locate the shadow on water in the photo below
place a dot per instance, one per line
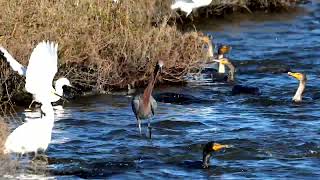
(97, 136)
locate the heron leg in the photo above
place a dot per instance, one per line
(149, 127)
(139, 125)
(31, 103)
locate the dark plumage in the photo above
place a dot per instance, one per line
(208, 149)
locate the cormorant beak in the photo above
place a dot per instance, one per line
(298, 76)
(224, 61)
(217, 146)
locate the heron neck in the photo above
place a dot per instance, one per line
(148, 91)
(298, 96)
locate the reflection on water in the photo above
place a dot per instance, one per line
(97, 137)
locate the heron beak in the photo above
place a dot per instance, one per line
(217, 146)
(296, 75)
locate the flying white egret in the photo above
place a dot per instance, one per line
(188, 5)
(32, 136)
(35, 135)
(38, 62)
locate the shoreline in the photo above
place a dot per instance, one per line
(99, 60)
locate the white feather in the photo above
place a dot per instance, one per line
(33, 135)
(15, 65)
(187, 6)
(40, 72)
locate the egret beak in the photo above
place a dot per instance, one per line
(298, 76)
(74, 88)
(63, 98)
(217, 146)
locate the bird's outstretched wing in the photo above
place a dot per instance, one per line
(42, 69)
(15, 65)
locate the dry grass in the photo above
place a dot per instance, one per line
(4, 132)
(103, 46)
(7, 166)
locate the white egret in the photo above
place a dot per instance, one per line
(36, 134)
(37, 63)
(32, 136)
(188, 5)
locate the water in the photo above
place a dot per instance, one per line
(97, 137)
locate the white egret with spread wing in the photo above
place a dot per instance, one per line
(37, 64)
(35, 135)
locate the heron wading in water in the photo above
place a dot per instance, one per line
(144, 105)
(35, 135)
(36, 65)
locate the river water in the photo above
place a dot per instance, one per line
(272, 138)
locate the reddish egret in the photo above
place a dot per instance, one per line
(144, 105)
(208, 149)
(302, 85)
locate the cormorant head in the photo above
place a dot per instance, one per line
(298, 76)
(208, 149)
(224, 49)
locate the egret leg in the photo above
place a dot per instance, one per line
(31, 103)
(149, 127)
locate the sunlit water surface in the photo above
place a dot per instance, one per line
(97, 137)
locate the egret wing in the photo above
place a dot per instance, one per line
(15, 65)
(42, 69)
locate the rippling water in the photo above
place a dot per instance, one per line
(97, 137)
